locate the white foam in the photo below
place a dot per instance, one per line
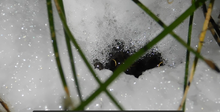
(29, 78)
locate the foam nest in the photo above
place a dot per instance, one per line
(117, 54)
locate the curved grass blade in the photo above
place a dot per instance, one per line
(71, 56)
(135, 56)
(55, 48)
(201, 39)
(68, 32)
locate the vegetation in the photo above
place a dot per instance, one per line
(131, 59)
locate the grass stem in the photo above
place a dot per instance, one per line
(188, 54)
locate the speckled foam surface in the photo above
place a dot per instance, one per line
(29, 78)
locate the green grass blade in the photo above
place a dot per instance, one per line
(68, 32)
(151, 14)
(71, 56)
(55, 47)
(73, 66)
(134, 57)
(188, 54)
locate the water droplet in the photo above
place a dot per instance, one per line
(97, 105)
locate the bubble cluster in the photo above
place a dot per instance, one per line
(116, 55)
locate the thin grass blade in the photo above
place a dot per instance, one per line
(188, 55)
(53, 38)
(55, 48)
(71, 56)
